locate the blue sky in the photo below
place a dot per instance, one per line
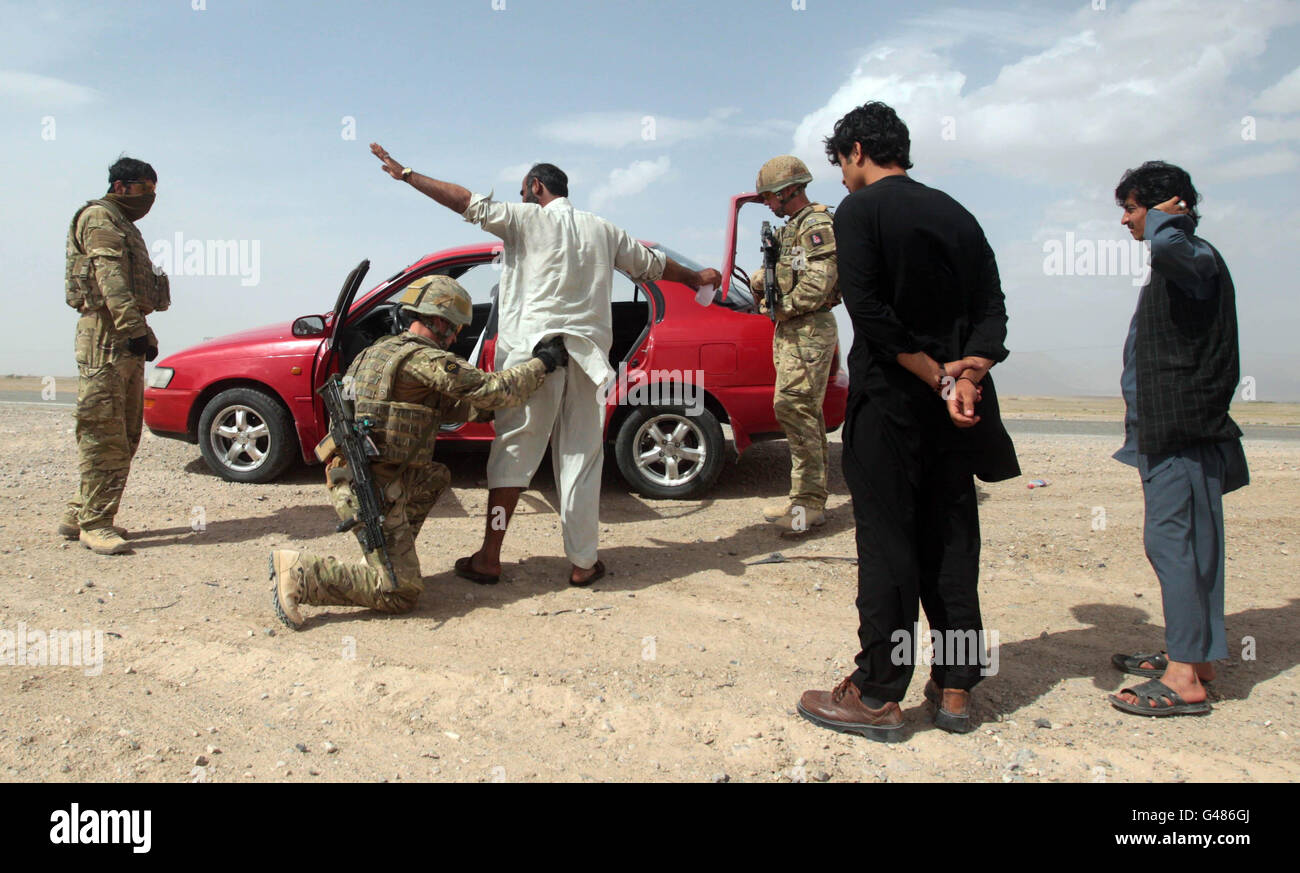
(1026, 113)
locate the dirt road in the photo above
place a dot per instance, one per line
(683, 664)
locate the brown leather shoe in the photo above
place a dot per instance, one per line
(842, 710)
(952, 708)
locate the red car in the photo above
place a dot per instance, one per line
(249, 399)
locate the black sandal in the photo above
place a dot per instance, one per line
(465, 570)
(1151, 696)
(1132, 664)
(598, 567)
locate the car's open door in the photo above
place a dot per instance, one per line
(337, 326)
(729, 266)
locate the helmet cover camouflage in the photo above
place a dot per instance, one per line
(782, 172)
(438, 295)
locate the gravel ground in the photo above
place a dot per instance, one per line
(683, 664)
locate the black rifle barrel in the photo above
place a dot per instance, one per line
(771, 254)
(353, 441)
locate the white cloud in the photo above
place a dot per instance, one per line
(622, 129)
(1283, 96)
(514, 172)
(1097, 99)
(44, 90)
(955, 25)
(1263, 164)
(625, 181)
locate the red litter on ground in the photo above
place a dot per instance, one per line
(1038, 483)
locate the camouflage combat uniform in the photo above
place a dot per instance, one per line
(410, 387)
(112, 283)
(804, 345)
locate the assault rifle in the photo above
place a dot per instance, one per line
(352, 440)
(771, 254)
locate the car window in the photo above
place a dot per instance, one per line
(624, 290)
(480, 280)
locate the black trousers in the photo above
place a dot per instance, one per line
(918, 539)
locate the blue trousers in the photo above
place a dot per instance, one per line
(1183, 534)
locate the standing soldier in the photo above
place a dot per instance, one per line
(110, 280)
(803, 347)
(408, 384)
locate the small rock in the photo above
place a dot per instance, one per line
(330, 748)
(213, 750)
(719, 777)
(821, 776)
(1042, 723)
(130, 669)
(201, 761)
(301, 747)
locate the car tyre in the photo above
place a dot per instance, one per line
(245, 435)
(662, 451)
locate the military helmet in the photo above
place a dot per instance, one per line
(437, 295)
(782, 172)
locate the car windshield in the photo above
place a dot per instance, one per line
(739, 297)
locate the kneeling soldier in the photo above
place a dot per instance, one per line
(408, 384)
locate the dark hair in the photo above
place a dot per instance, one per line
(126, 169)
(878, 129)
(1155, 182)
(551, 176)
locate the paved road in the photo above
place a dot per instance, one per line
(1036, 426)
(1052, 426)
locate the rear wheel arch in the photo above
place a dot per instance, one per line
(623, 410)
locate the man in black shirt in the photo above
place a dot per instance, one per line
(921, 287)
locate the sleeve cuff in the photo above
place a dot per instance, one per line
(474, 212)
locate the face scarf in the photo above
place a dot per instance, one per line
(133, 206)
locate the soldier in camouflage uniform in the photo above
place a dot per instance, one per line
(409, 385)
(803, 346)
(110, 280)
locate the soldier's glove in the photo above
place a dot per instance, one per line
(138, 345)
(552, 353)
(151, 354)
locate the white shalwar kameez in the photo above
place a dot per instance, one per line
(557, 278)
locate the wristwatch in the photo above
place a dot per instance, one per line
(406, 174)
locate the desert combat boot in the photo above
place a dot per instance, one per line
(104, 541)
(799, 518)
(288, 587)
(69, 529)
(773, 511)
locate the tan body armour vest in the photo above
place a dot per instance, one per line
(401, 431)
(152, 291)
(788, 238)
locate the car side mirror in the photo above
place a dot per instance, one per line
(309, 325)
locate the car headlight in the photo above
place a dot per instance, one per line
(161, 377)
